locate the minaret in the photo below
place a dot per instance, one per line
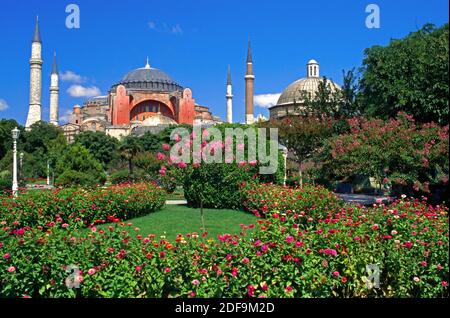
(54, 92)
(249, 88)
(229, 98)
(34, 112)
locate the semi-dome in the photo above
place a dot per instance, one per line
(149, 79)
(158, 120)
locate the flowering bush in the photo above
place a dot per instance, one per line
(397, 152)
(262, 199)
(68, 205)
(215, 183)
(284, 255)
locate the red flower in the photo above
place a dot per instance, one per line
(167, 270)
(343, 279)
(6, 256)
(166, 147)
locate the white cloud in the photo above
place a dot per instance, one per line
(266, 100)
(177, 30)
(165, 28)
(66, 116)
(3, 105)
(81, 91)
(70, 76)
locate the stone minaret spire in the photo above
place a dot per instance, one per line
(54, 93)
(229, 98)
(249, 88)
(34, 111)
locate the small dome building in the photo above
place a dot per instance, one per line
(292, 98)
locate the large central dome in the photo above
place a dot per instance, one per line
(149, 79)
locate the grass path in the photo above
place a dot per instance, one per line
(179, 219)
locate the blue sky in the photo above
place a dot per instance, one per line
(194, 41)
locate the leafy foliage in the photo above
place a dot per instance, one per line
(101, 146)
(409, 75)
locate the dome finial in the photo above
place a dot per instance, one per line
(147, 66)
(312, 69)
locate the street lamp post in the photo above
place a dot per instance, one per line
(15, 185)
(48, 172)
(21, 166)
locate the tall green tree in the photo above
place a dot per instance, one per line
(409, 75)
(128, 150)
(101, 146)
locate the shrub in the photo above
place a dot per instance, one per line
(77, 159)
(310, 201)
(217, 185)
(281, 257)
(121, 176)
(41, 208)
(70, 178)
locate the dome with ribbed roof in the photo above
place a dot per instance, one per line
(295, 92)
(149, 79)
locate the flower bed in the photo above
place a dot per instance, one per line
(68, 205)
(285, 255)
(262, 199)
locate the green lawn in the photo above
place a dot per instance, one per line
(179, 219)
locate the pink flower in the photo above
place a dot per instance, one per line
(336, 274)
(195, 282)
(234, 272)
(298, 244)
(167, 270)
(162, 172)
(65, 226)
(240, 147)
(11, 269)
(242, 164)
(253, 163)
(357, 238)
(6, 256)
(166, 147)
(245, 260)
(444, 284)
(160, 156)
(264, 248)
(92, 271)
(289, 239)
(330, 251)
(408, 244)
(251, 291)
(424, 263)
(138, 268)
(182, 165)
(375, 227)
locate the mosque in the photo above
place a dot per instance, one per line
(148, 100)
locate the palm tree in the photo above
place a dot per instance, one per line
(129, 148)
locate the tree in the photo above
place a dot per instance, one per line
(409, 75)
(101, 146)
(6, 125)
(76, 166)
(129, 148)
(303, 136)
(396, 151)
